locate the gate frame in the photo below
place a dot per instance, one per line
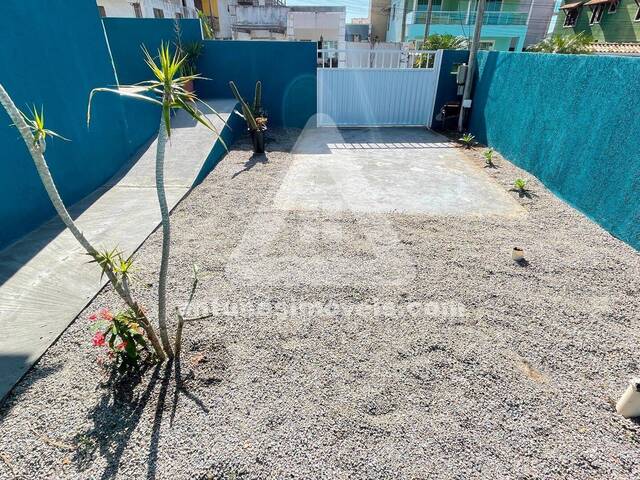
(401, 65)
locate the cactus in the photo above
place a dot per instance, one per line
(257, 100)
(246, 111)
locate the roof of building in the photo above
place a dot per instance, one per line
(311, 8)
(570, 6)
(626, 48)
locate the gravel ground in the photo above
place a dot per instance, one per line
(472, 367)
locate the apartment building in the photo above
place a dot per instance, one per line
(147, 8)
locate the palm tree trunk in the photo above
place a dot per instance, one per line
(58, 204)
(166, 237)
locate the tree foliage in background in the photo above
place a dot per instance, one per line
(445, 42)
(572, 43)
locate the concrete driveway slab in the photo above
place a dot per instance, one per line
(380, 170)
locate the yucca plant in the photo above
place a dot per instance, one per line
(467, 140)
(34, 133)
(168, 91)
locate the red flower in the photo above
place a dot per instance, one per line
(105, 314)
(98, 339)
(93, 317)
(122, 345)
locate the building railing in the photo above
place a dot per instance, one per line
(464, 18)
(372, 59)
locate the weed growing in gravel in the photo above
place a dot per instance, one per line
(488, 158)
(467, 140)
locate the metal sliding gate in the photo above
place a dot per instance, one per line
(377, 87)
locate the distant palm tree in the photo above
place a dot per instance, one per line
(572, 43)
(444, 42)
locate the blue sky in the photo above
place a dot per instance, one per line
(355, 8)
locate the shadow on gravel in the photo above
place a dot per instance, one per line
(118, 413)
(116, 417)
(255, 159)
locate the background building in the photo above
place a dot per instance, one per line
(508, 25)
(379, 19)
(357, 32)
(147, 8)
(613, 24)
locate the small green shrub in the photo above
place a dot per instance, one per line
(488, 157)
(467, 140)
(520, 185)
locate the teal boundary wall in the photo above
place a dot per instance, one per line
(287, 71)
(53, 53)
(572, 121)
(447, 88)
(127, 36)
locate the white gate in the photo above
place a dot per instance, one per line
(377, 87)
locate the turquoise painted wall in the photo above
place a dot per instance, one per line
(53, 53)
(287, 71)
(128, 35)
(571, 121)
(447, 89)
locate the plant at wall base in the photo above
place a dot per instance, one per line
(444, 42)
(576, 43)
(520, 186)
(168, 91)
(254, 116)
(467, 141)
(488, 158)
(34, 134)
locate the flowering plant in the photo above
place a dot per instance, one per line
(121, 334)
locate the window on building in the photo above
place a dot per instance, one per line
(613, 6)
(637, 17)
(137, 10)
(158, 13)
(102, 11)
(571, 16)
(596, 14)
(486, 44)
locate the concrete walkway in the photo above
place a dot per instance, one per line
(46, 281)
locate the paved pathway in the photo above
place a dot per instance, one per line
(46, 281)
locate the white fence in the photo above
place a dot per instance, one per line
(377, 88)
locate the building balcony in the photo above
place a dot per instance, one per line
(464, 18)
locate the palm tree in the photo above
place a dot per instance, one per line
(168, 91)
(34, 134)
(572, 43)
(444, 42)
